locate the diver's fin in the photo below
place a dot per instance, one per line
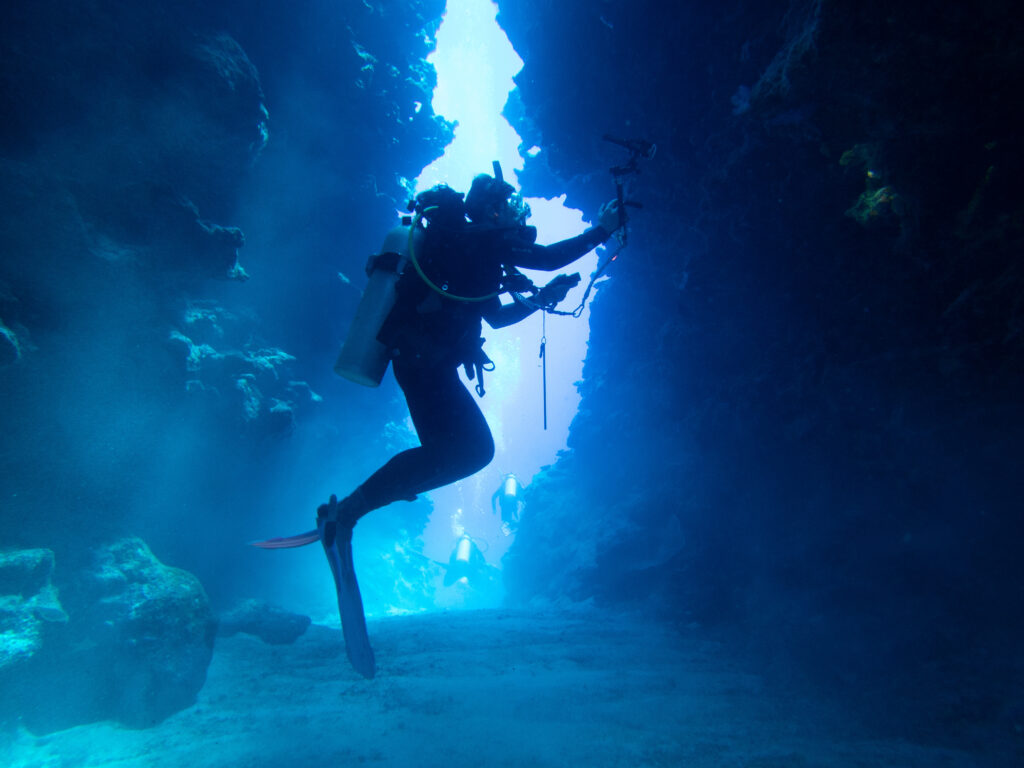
(338, 548)
(287, 542)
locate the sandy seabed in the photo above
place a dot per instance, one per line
(486, 688)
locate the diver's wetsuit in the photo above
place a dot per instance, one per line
(431, 335)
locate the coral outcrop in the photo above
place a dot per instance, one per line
(129, 639)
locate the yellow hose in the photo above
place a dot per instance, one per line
(427, 280)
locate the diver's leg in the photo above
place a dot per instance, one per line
(449, 423)
(456, 442)
(454, 436)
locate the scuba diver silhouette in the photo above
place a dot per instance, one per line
(460, 270)
(509, 497)
(437, 278)
(467, 564)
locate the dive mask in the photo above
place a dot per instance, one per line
(519, 208)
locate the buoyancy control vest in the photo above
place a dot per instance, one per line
(431, 318)
(429, 287)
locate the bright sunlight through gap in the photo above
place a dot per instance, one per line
(475, 65)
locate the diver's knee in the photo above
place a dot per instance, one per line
(474, 457)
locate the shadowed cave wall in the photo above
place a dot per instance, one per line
(802, 417)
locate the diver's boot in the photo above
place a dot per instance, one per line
(340, 517)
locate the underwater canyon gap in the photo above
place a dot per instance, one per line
(801, 415)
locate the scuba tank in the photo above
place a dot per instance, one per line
(511, 485)
(463, 549)
(363, 359)
(462, 561)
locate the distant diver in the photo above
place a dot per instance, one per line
(510, 498)
(437, 277)
(467, 564)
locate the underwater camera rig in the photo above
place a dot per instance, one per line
(639, 149)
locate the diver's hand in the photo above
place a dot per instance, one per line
(556, 290)
(608, 217)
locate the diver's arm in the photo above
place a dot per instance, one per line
(498, 315)
(558, 255)
(503, 315)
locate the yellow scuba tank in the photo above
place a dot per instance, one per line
(363, 359)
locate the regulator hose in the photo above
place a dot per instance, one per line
(427, 280)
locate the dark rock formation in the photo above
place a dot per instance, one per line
(147, 138)
(811, 351)
(226, 364)
(10, 346)
(156, 628)
(270, 623)
(28, 602)
(133, 646)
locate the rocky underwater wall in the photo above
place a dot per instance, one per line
(189, 194)
(185, 193)
(802, 414)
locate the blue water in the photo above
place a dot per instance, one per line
(780, 470)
